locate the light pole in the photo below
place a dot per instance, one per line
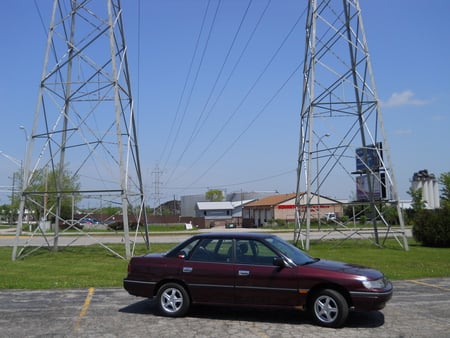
(23, 168)
(26, 150)
(27, 138)
(19, 164)
(318, 175)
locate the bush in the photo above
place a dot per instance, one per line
(118, 226)
(280, 222)
(432, 227)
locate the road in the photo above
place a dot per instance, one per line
(7, 237)
(419, 308)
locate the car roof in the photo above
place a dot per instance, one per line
(220, 235)
(236, 235)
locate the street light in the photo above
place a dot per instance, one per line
(19, 164)
(318, 183)
(22, 169)
(25, 131)
(26, 149)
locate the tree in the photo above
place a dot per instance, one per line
(42, 191)
(444, 180)
(214, 195)
(391, 215)
(432, 227)
(416, 196)
(6, 213)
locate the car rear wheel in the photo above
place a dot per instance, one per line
(173, 300)
(329, 308)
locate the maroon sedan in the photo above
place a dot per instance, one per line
(254, 269)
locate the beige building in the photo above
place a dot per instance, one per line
(282, 207)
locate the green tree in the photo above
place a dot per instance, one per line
(42, 191)
(214, 195)
(111, 211)
(444, 180)
(417, 202)
(391, 214)
(6, 213)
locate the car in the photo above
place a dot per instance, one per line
(254, 270)
(88, 220)
(330, 216)
(71, 223)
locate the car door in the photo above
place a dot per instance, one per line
(258, 281)
(209, 272)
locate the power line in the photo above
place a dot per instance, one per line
(191, 65)
(198, 124)
(260, 76)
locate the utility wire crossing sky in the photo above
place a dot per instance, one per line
(217, 89)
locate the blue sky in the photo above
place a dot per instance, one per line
(246, 138)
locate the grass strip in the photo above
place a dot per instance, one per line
(93, 266)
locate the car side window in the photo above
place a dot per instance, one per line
(186, 251)
(216, 250)
(254, 252)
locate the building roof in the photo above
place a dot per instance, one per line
(271, 201)
(223, 205)
(236, 204)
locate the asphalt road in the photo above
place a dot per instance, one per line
(419, 308)
(7, 237)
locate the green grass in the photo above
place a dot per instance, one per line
(93, 266)
(395, 262)
(166, 227)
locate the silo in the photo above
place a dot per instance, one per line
(430, 188)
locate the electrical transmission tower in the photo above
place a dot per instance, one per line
(84, 128)
(342, 136)
(156, 191)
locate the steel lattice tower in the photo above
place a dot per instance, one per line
(342, 135)
(84, 123)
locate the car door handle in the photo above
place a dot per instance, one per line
(187, 269)
(244, 273)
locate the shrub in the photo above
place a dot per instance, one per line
(118, 226)
(280, 222)
(432, 227)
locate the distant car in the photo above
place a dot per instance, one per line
(254, 269)
(75, 223)
(330, 216)
(88, 220)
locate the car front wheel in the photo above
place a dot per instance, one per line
(173, 300)
(329, 308)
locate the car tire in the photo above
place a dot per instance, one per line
(329, 308)
(173, 300)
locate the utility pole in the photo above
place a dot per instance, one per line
(339, 99)
(84, 122)
(157, 173)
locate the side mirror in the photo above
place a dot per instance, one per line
(182, 254)
(278, 261)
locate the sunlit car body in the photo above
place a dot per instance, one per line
(254, 269)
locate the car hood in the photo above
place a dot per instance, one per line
(155, 254)
(346, 268)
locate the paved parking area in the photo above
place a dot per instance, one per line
(419, 308)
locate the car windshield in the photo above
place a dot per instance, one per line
(295, 254)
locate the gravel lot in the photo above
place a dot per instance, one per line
(419, 308)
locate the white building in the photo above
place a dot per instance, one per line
(430, 188)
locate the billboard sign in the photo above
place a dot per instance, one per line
(368, 158)
(378, 182)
